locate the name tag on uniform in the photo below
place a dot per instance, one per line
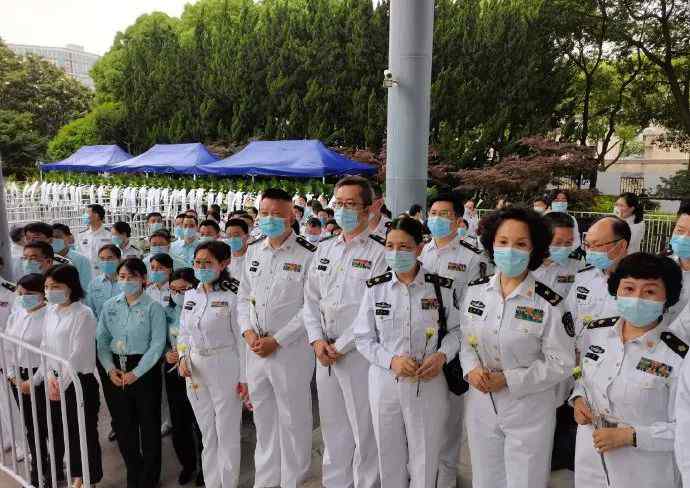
(429, 304)
(475, 310)
(361, 264)
(321, 267)
(254, 265)
(295, 268)
(189, 305)
(530, 314)
(582, 293)
(457, 267)
(382, 311)
(85, 242)
(592, 356)
(566, 279)
(383, 305)
(654, 367)
(219, 304)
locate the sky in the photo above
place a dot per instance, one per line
(89, 23)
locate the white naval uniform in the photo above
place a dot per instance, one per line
(529, 337)
(559, 277)
(208, 326)
(89, 242)
(633, 384)
(382, 227)
(130, 251)
(681, 326)
(589, 297)
(7, 309)
(461, 262)
(236, 267)
(279, 385)
(682, 438)
(392, 321)
(333, 294)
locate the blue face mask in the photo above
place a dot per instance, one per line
(639, 312)
(85, 219)
(179, 232)
(401, 261)
(323, 222)
(511, 262)
(189, 233)
(130, 287)
(236, 243)
(108, 267)
(159, 250)
(29, 302)
(599, 259)
(158, 277)
(205, 275)
(439, 227)
(559, 206)
(56, 297)
(118, 240)
(560, 254)
(30, 266)
(347, 219)
(58, 245)
(462, 232)
(272, 226)
(155, 226)
(681, 246)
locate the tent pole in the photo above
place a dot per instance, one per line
(4, 230)
(409, 97)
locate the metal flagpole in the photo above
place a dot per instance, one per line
(409, 96)
(5, 250)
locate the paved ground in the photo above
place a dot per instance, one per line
(115, 477)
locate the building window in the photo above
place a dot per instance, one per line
(632, 184)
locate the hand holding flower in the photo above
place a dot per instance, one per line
(432, 366)
(404, 366)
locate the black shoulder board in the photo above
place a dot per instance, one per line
(578, 254)
(134, 247)
(480, 281)
(258, 239)
(547, 293)
(305, 244)
(586, 268)
(230, 285)
(387, 225)
(378, 239)
(377, 280)
(444, 282)
(469, 246)
(10, 286)
(598, 324)
(62, 260)
(328, 238)
(674, 343)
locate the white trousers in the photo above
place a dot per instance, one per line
(218, 411)
(279, 389)
(452, 440)
(627, 466)
(408, 428)
(511, 449)
(350, 457)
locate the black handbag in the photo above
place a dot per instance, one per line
(452, 369)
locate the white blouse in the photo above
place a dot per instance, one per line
(27, 327)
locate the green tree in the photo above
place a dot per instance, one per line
(20, 144)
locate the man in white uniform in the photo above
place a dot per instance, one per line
(335, 286)
(565, 260)
(121, 233)
(680, 245)
(95, 236)
(280, 362)
(449, 256)
(237, 237)
(378, 220)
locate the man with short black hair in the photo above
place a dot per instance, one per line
(159, 243)
(121, 232)
(154, 222)
(379, 216)
(237, 237)
(38, 232)
(95, 236)
(62, 237)
(313, 230)
(565, 258)
(38, 258)
(209, 230)
(183, 249)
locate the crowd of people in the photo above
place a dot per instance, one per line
(551, 348)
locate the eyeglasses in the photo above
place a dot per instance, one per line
(350, 205)
(586, 245)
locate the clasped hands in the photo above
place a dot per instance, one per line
(487, 381)
(408, 367)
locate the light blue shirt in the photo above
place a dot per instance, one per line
(172, 315)
(83, 266)
(99, 291)
(184, 252)
(177, 263)
(125, 329)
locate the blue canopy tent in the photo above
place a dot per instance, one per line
(95, 159)
(180, 159)
(293, 159)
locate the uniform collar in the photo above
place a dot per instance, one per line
(286, 245)
(143, 299)
(451, 246)
(359, 238)
(524, 289)
(648, 340)
(418, 280)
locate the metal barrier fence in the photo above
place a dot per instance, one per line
(11, 467)
(657, 232)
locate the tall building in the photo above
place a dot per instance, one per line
(71, 58)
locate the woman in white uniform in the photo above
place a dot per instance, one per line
(26, 323)
(629, 208)
(70, 333)
(522, 347)
(396, 330)
(213, 354)
(625, 399)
